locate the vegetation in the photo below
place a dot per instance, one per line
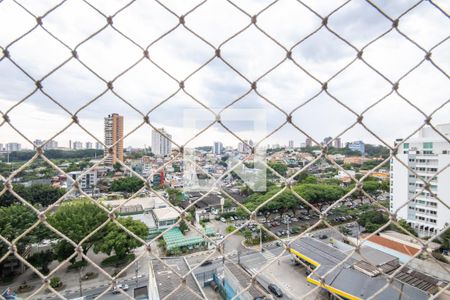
(116, 240)
(55, 282)
(279, 168)
(41, 260)
(40, 194)
(127, 184)
(76, 220)
(14, 220)
(54, 154)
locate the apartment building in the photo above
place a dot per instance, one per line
(161, 144)
(427, 154)
(217, 148)
(114, 136)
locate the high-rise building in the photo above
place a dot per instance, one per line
(326, 140)
(291, 144)
(308, 142)
(11, 147)
(52, 144)
(98, 146)
(89, 145)
(114, 136)
(77, 145)
(1, 147)
(427, 154)
(337, 143)
(217, 148)
(161, 144)
(357, 146)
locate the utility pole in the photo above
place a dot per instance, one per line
(137, 273)
(79, 279)
(287, 223)
(260, 240)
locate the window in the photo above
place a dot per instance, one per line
(428, 145)
(406, 146)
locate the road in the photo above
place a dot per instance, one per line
(290, 278)
(92, 293)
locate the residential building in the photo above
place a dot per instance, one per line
(52, 144)
(427, 154)
(357, 146)
(308, 142)
(218, 148)
(161, 144)
(11, 147)
(114, 136)
(337, 143)
(291, 144)
(1, 147)
(87, 181)
(98, 146)
(77, 145)
(89, 145)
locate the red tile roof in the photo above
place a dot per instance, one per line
(408, 250)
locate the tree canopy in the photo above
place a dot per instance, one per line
(127, 184)
(116, 240)
(41, 194)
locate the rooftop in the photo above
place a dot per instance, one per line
(357, 276)
(168, 282)
(166, 213)
(405, 249)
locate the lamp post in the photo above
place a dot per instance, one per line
(260, 239)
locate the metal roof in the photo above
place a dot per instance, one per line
(348, 279)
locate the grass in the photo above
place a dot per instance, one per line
(114, 261)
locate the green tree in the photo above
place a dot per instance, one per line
(40, 194)
(76, 220)
(117, 167)
(41, 260)
(127, 184)
(115, 239)
(404, 225)
(247, 234)
(279, 168)
(320, 194)
(14, 220)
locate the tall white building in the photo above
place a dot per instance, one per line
(160, 142)
(291, 144)
(426, 154)
(52, 144)
(10, 147)
(77, 145)
(217, 148)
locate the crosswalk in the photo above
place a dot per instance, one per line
(268, 257)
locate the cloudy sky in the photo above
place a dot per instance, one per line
(251, 53)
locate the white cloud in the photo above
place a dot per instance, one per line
(216, 85)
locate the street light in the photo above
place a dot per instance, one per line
(137, 272)
(80, 281)
(260, 239)
(286, 219)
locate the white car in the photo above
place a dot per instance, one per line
(123, 287)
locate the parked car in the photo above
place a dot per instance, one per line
(223, 219)
(206, 263)
(274, 289)
(323, 236)
(123, 287)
